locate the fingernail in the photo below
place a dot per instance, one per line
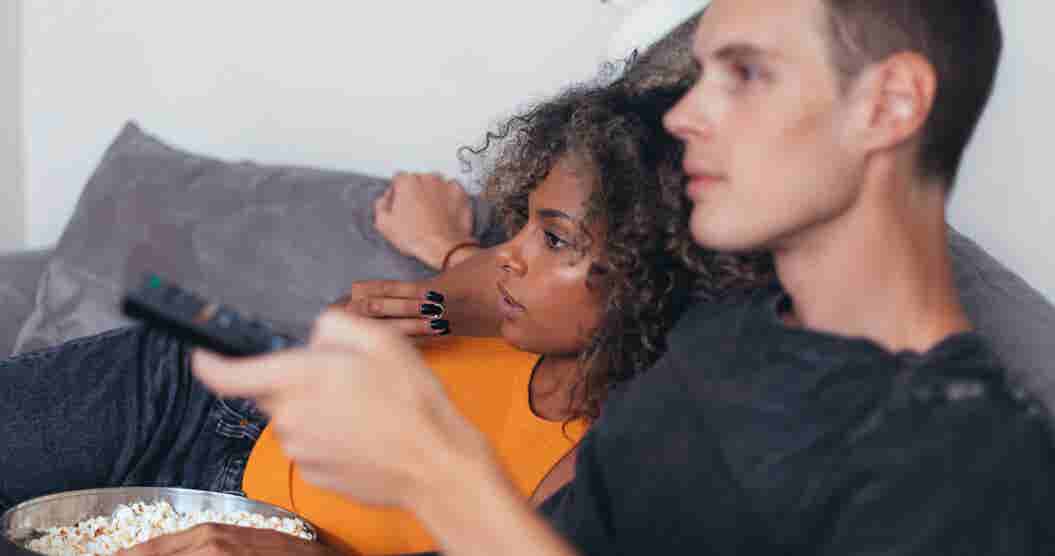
(435, 296)
(430, 309)
(441, 324)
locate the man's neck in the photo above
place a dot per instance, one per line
(880, 271)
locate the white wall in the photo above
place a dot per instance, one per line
(12, 197)
(365, 85)
(1005, 198)
(379, 86)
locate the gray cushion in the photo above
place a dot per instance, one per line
(19, 274)
(1017, 320)
(280, 242)
(277, 242)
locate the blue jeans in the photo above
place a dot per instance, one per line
(117, 409)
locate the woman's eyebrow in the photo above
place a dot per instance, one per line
(554, 213)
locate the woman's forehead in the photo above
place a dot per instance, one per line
(567, 187)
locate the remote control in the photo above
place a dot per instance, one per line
(210, 325)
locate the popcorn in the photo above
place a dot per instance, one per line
(139, 522)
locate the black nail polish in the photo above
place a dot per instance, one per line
(441, 324)
(435, 296)
(430, 309)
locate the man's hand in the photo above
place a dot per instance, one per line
(410, 308)
(214, 539)
(357, 409)
(424, 216)
(361, 414)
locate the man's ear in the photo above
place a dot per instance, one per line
(895, 98)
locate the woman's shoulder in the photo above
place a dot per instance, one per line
(472, 350)
(468, 366)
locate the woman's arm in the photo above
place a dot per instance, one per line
(471, 294)
(470, 299)
(425, 216)
(430, 218)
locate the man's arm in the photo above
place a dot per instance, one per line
(361, 414)
(473, 510)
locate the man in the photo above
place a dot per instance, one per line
(851, 412)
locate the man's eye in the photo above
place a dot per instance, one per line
(747, 72)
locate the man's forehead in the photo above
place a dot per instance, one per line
(764, 25)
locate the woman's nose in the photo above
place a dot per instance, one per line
(510, 258)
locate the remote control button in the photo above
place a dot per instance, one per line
(224, 318)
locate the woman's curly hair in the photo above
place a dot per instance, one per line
(649, 268)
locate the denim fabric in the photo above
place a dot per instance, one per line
(121, 408)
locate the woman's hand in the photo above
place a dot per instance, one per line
(424, 216)
(214, 539)
(410, 308)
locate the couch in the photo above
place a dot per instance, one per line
(280, 242)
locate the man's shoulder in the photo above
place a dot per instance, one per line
(955, 404)
(952, 442)
(963, 374)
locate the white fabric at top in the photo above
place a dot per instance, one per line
(647, 21)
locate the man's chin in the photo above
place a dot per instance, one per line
(725, 240)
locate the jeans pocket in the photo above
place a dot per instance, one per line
(238, 418)
(238, 425)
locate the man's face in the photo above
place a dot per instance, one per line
(765, 127)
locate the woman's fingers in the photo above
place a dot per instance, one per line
(420, 327)
(393, 289)
(395, 308)
(384, 202)
(410, 308)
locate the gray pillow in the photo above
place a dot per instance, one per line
(277, 242)
(1016, 319)
(19, 274)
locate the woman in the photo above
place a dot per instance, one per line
(599, 264)
(597, 268)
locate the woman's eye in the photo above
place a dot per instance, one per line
(553, 241)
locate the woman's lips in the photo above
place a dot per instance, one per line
(508, 304)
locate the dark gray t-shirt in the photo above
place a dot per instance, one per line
(751, 437)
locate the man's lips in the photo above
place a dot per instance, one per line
(698, 182)
(508, 299)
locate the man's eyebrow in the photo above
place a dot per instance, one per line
(741, 51)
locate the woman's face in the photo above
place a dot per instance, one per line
(546, 305)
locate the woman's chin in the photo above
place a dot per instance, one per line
(516, 337)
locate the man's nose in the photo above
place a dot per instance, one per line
(688, 118)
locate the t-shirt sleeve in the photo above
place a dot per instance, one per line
(975, 480)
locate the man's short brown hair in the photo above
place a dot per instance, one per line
(961, 39)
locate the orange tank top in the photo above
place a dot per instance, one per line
(488, 380)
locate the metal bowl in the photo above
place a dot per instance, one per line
(22, 523)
